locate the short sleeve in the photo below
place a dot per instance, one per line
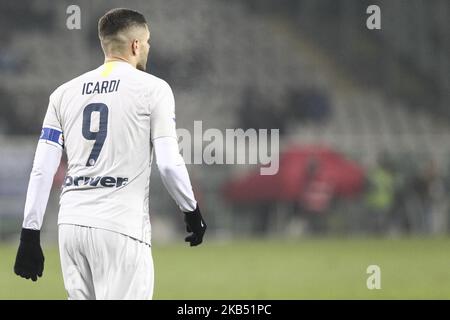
(162, 114)
(52, 132)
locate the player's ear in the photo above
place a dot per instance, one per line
(135, 47)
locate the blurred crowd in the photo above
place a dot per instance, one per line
(399, 196)
(407, 196)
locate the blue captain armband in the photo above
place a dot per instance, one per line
(52, 136)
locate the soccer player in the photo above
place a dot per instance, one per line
(109, 121)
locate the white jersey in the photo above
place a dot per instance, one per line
(106, 119)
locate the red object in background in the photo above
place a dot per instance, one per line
(300, 169)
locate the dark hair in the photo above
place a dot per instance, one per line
(117, 20)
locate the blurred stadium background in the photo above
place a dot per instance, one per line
(364, 124)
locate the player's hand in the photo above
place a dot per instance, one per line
(30, 259)
(195, 224)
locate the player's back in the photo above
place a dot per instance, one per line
(105, 116)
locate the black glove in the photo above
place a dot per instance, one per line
(195, 224)
(29, 259)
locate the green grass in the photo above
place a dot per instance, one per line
(305, 269)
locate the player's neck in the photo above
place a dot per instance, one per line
(117, 58)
